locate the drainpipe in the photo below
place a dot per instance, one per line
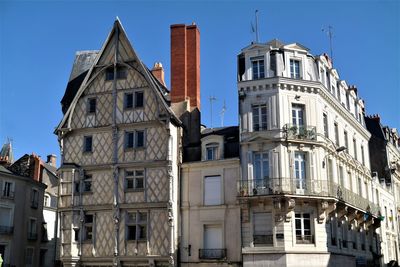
(170, 197)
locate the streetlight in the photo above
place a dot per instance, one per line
(337, 150)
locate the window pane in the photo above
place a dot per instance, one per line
(128, 100)
(128, 139)
(142, 232)
(88, 144)
(131, 232)
(139, 99)
(129, 183)
(139, 139)
(92, 105)
(139, 183)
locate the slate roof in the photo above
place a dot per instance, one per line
(231, 139)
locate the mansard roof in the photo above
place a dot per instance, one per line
(81, 75)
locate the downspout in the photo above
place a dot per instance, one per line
(58, 213)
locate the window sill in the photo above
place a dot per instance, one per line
(87, 193)
(133, 190)
(134, 241)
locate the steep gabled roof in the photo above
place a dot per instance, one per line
(119, 33)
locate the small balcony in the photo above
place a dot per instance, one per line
(6, 230)
(307, 187)
(299, 132)
(212, 254)
(7, 194)
(304, 239)
(263, 240)
(32, 236)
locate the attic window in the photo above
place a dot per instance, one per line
(121, 73)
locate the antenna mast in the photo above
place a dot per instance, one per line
(211, 98)
(329, 32)
(257, 37)
(222, 114)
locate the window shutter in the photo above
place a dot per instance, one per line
(212, 190)
(249, 165)
(262, 223)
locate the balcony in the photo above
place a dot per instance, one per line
(304, 239)
(212, 254)
(307, 187)
(32, 236)
(6, 230)
(8, 194)
(299, 132)
(263, 240)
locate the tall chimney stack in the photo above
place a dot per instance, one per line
(51, 160)
(185, 64)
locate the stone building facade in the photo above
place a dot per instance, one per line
(119, 142)
(306, 185)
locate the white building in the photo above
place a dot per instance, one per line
(306, 186)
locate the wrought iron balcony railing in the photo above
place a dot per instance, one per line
(263, 240)
(304, 239)
(6, 229)
(32, 236)
(302, 132)
(308, 187)
(212, 254)
(8, 194)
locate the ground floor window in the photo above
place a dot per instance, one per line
(303, 228)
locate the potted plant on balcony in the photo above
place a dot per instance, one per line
(244, 191)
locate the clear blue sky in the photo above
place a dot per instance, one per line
(38, 41)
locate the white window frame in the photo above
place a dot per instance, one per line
(301, 170)
(46, 200)
(264, 169)
(258, 74)
(298, 119)
(292, 68)
(302, 229)
(259, 117)
(213, 148)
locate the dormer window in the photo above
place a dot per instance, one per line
(258, 68)
(295, 69)
(121, 73)
(212, 151)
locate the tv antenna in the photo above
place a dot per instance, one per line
(329, 32)
(211, 98)
(255, 30)
(222, 114)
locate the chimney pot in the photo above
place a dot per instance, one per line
(51, 160)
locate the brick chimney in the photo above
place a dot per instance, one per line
(158, 72)
(185, 64)
(52, 160)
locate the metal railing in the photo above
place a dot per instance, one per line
(308, 187)
(6, 229)
(265, 240)
(302, 132)
(304, 239)
(212, 254)
(8, 194)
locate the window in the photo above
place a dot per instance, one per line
(88, 226)
(346, 139)
(336, 127)
(46, 201)
(330, 170)
(8, 189)
(212, 151)
(359, 186)
(362, 155)
(134, 179)
(355, 148)
(259, 117)
(129, 139)
(29, 257)
(212, 238)
(261, 169)
(128, 100)
(87, 183)
(136, 224)
(262, 222)
(121, 73)
(87, 143)
(76, 234)
(295, 69)
(328, 80)
(91, 105)
(273, 63)
(258, 68)
(134, 139)
(34, 198)
(298, 115)
(350, 181)
(326, 130)
(333, 228)
(341, 176)
(139, 139)
(300, 170)
(139, 99)
(303, 228)
(32, 229)
(212, 190)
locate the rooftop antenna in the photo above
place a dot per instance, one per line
(329, 32)
(211, 98)
(222, 114)
(255, 30)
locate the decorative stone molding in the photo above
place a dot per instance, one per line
(291, 203)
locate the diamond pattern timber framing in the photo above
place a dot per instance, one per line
(157, 185)
(159, 241)
(104, 234)
(102, 189)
